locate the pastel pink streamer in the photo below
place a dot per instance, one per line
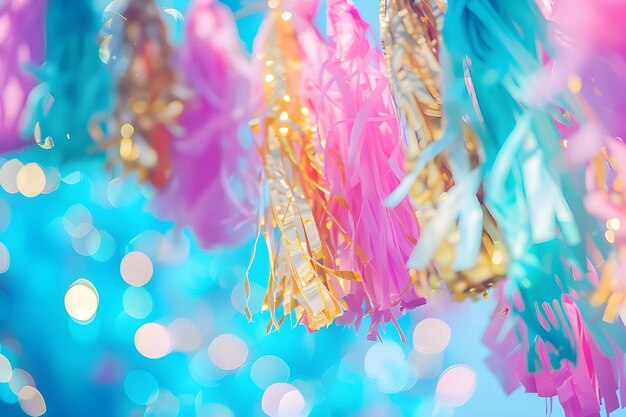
(212, 184)
(363, 164)
(581, 388)
(22, 25)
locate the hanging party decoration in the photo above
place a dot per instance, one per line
(363, 162)
(475, 149)
(493, 49)
(212, 183)
(147, 104)
(304, 278)
(452, 247)
(74, 90)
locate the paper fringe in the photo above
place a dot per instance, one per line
(212, 185)
(493, 49)
(363, 163)
(581, 387)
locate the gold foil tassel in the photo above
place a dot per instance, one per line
(302, 278)
(147, 104)
(410, 32)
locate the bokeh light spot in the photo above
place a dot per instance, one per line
(81, 301)
(8, 175)
(153, 341)
(20, 379)
(228, 352)
(166, 405)
(137, 302)
(186, 337)
(291, 404)
(31, 180)
(268, 370)
(431, 336)
(456, 386)
(77, 221)
(379, 356)
(88, 243)
(424, 365)
(272, 398)
(106, 248)
(385, 362)
(5, 258)
(121, 192)
(5, 369)
(53, 180)
(32, 402)
(141, 387)
(136, 268)
(204, 372)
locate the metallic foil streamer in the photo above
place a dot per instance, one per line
(303, 278)
(147, 103)
(410, 32)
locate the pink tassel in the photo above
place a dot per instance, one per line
(212, 180)
(581, 388)
(363, 164)
(22, 27)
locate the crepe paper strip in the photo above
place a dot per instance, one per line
(492, 50)
(581, 387)
(363, 162)
(212, 185)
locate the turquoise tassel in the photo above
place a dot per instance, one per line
(492, 48)
(75, 89)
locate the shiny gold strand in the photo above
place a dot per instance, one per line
(410, 32)
(147, 103)
(302, 277)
